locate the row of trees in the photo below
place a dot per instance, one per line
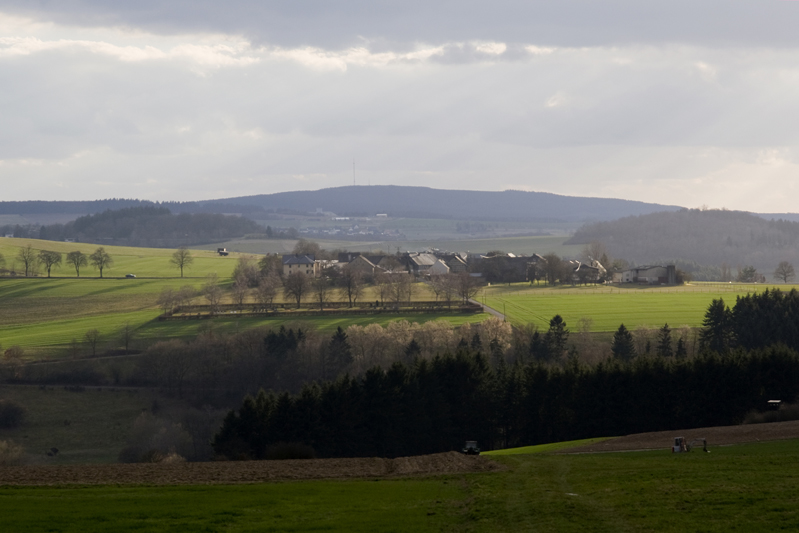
(31, 259)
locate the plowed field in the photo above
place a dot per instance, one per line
(716, 436)
(244, 471)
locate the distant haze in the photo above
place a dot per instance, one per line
(676, 103)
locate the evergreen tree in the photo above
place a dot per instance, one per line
(682, 351)
(557, 336)
(339, 353)
(716, 334)
(664, 348)
(412, 351)
(623, 347)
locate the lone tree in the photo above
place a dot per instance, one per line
(623, 346)
(181, 259)
(29, 259)
(77, 259)
(101, 259)
(784, 272)
(50, 259)
(296, 286)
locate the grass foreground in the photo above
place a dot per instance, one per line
(736, 488)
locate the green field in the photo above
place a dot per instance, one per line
(736, 488)
(142, 262)
(609, 307)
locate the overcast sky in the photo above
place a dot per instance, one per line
(679, 102)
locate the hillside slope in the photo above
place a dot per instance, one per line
(709, 237)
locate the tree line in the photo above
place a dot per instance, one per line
(150, 226)
(434, 405)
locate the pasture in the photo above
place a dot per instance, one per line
(608, 307)
(742, 487)
(143, 262)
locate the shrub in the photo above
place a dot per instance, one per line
(783, 414)
(289, 450)
(11, 414)
(10, 453)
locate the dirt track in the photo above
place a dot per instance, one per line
(717, 436)
(244, 471)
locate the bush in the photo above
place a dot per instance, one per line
(10, 453)
(11, 414)
(289, 450)
(783, 414)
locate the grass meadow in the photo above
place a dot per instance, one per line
(143, 262)
(608, 307)
(734, 488)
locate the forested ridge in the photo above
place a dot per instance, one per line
(706, 237)
(150, 226)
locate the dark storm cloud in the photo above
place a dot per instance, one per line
(323, 23)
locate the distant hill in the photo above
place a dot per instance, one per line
(709, 237)
(424, 202)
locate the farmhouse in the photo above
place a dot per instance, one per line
(439, 268)
(301, 263)
(418, 262)
(650, 275)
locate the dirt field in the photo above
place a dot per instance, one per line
(718, 436)
(244, 471)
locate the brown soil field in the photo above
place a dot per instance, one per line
(716, 436)
(232, 472)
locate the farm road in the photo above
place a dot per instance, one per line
(489, 310)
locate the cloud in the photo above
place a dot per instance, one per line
(337, 25)
(164, 102)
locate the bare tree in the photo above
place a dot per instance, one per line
(92, 337)
(126, 335)
(321, 291)
(181, 259)
(29, 259)
(166, 300)
(246, 271)
(212, 292)
(101, 260)
(271, 264)
(351, 284)
(50, 259)
(240, 291)
(784, 272)
(185, 295)
(295, 287)
(593, 251)
(467, 286)
(77, 259)
(267, 289)
(384, 286)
